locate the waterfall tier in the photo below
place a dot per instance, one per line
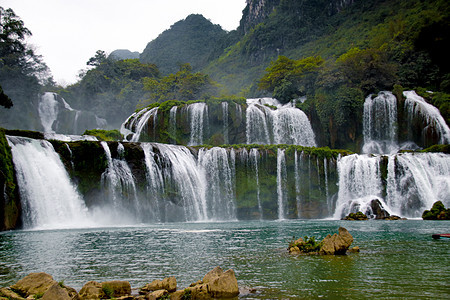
(385, 132)
(58, 116)
(72, 183)
(265, 121)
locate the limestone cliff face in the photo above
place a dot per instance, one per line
(255, 12)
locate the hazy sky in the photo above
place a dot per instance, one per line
(68, 32)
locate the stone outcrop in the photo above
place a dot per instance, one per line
(336, 244)
(169, 284)
(359, 216)
(92, 290)
(39, 285)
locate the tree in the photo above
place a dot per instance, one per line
(288, 79)
(183, 86)
(99, 58)
(4, 99)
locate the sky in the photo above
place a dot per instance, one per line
(69, 32)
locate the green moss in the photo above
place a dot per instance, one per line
(438, 148)
(105, 135)
(10, 212)
(437, 212)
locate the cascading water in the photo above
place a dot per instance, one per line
(417, 107)
(132, 128)
(283, 125)
(48, 111)
(225, 122)
(173, 124)
(197, 112)
(254, 156)
(220, 188)
(380, 124)
(48, 197)
(297, 165)
(120, 192)
(186, 178)
(414, 182)
(359, 183)
(281, 183)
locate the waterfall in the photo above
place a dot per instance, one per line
(188, 181)
(380, 124)
(120, 187)
(416, 181)
(297, 165)
(291, 126)
(281, 183)
(48, 111)
(173, 124)
(359, 183)
(258, 123)
(197, 113)
(48, 197)
(220, 188)
(254, 156)
(416, 106)
(132, 128)
(269, 122)
(225, 122)
(327, 193)
(155, 184)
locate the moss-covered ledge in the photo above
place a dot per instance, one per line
(9, 195)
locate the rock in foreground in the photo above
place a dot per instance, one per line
(217, 284)
(336, 244)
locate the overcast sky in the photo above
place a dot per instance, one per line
(68, 32)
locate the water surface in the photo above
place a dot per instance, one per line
(397, 258)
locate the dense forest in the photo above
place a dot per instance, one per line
(334, 53)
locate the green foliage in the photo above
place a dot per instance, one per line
(112, 88)
(358, 216)
(109, 291)
(194, 40)
(105, 135)
(4, 99)
(307, 245)
(182, 86)
(187, 295)
(438, 148)
(288, 79)
(22, 72)
(437, 212)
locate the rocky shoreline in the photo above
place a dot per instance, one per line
(216, 284)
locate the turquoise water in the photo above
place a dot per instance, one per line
(397, 258)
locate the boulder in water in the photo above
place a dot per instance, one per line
(221, 284)
(359, 216)
(169, 284)
(337, 243)
(92, 290)
(437, 212)
(378, 210)
(34, 284)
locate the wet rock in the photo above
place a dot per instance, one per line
(169, 284)
(56, 292)
(337, 243)
(34, 284)
(359, 216)
(7, 293)
(354, 250)
(378, 210)
(222, 284)
(116, 288)
(92, 290)
(155, 295)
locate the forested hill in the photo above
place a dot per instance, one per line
(194, 40)
(413, 34)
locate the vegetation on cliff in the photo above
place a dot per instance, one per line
(437, 212)
(10, 205)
